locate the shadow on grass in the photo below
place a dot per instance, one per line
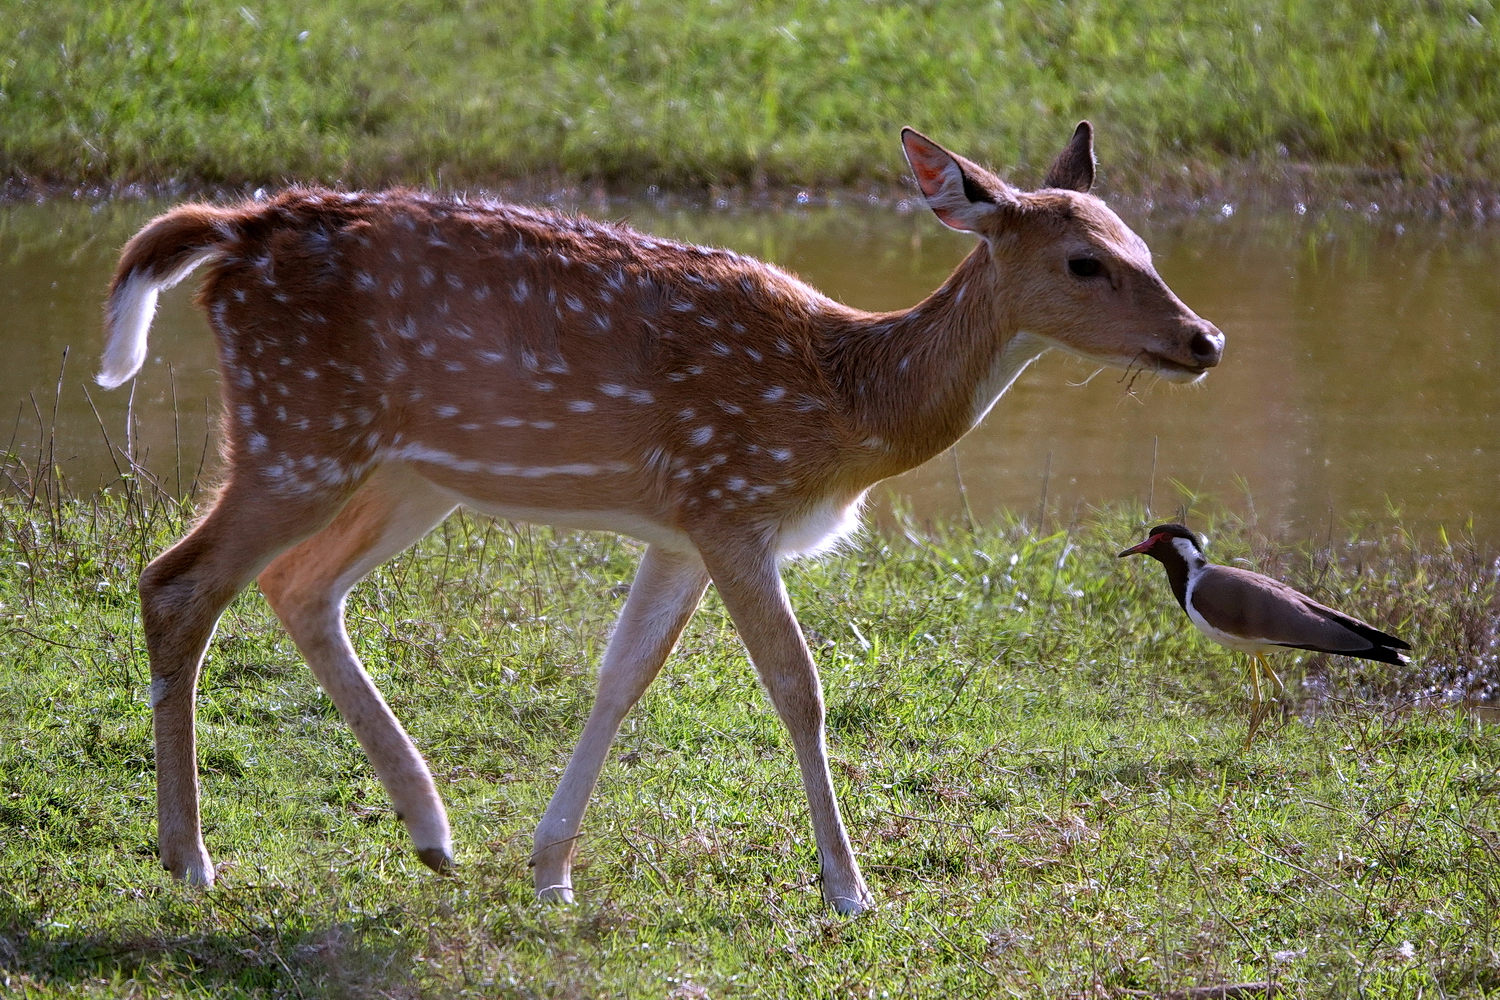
(235, 949)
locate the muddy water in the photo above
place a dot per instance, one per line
(1361, 378)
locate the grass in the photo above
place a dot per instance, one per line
(698, 92)
(1039, 760)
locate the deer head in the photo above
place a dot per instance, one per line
(1075, 276)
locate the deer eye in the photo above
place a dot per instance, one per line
(1085, 267)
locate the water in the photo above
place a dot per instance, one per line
(1361, 378)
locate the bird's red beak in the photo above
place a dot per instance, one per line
(1138, 549)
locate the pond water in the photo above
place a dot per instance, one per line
(1361, 380)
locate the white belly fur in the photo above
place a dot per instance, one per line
(819, 530)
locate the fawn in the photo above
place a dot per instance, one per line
(389, 356)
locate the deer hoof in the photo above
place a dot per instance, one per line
(560, 894)
(439, 859)
(850, 903)
(198, 873)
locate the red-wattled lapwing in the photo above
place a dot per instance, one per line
(1255, 614)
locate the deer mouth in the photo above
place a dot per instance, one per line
(1176, 371)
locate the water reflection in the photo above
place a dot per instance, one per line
(1360, 376)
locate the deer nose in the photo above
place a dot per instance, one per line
(1207, 346)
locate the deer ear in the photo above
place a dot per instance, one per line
(959, 193)
(1074, 167)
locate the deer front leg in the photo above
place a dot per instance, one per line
(752, 590)
(307, 586)
(666, 591)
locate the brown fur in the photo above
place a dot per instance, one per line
(386, 356)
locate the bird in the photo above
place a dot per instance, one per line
(1254, 614)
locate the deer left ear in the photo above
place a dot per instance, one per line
(1074, 167)
(959, 193)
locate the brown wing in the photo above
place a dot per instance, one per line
(1254, 606)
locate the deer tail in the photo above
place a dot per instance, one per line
(159, 256)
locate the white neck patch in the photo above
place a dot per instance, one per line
(1189, 553)
(1020, 351)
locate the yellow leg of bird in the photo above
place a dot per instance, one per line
(1258, 705)
(1280, 687)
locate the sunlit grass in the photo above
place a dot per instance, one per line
(1039, 760)
(789, 91)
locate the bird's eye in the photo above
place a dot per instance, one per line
(1085, 267)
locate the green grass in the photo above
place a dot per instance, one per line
(705, 91)
(1039, 760)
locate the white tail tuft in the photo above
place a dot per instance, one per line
(128, 317)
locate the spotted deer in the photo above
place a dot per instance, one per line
(389, 356)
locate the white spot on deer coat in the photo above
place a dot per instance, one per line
(433, 456)
(580, 406)
(701, 436)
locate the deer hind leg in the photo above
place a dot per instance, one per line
(183, 593)
(667, 588)
(307, 586)
(753, 593)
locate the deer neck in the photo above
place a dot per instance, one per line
(918, 379)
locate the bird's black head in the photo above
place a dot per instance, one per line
(1162, 535)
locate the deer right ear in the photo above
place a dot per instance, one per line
(1074, 167)
(958, 192)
